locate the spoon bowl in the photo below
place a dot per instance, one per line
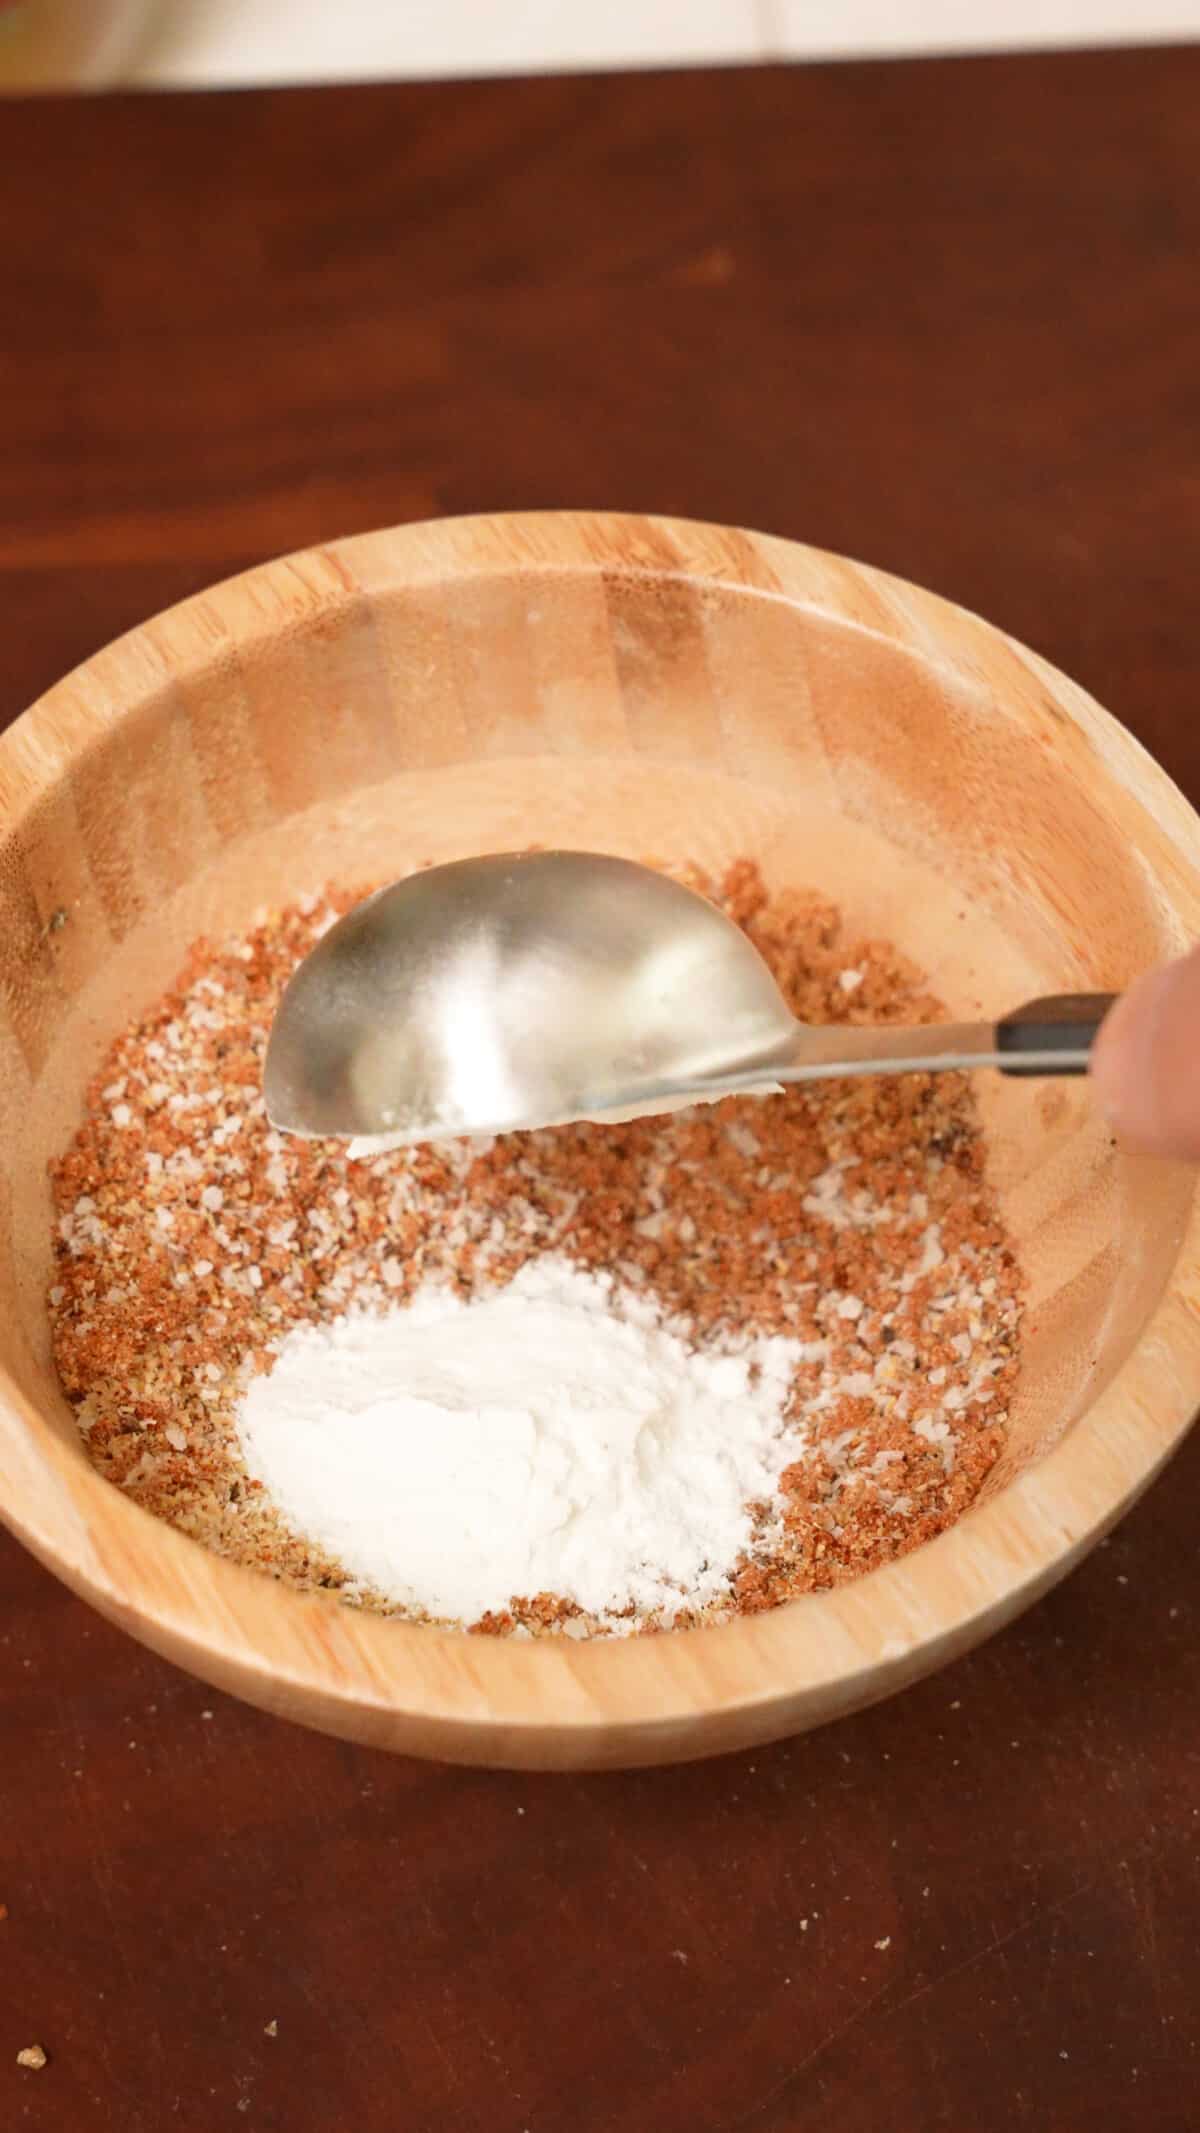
(515, 990)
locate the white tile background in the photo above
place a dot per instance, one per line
(828, 27)
(236, 40)
(230, 41)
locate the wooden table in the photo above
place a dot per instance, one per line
(946, 316)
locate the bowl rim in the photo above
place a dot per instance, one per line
(694, 1691)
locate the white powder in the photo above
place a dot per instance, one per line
(554, 1436)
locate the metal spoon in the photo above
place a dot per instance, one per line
(532, 989)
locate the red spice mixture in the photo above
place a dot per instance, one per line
(192, 1238)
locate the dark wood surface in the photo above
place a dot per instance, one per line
(945, 316)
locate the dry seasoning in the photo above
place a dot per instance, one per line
(555, 1435)
(854, 1218)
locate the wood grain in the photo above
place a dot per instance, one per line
(950, 323)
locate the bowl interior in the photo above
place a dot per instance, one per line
(624, 687)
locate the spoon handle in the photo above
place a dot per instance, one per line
(1061, 1023)
(1049, 1036)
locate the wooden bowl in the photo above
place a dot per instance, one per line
(632, 685)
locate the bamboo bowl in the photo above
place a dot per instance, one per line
(631, 685)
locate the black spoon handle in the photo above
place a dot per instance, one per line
(1063, 1022)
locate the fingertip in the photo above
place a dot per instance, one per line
(1115, 1062)
(1144, 1063)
